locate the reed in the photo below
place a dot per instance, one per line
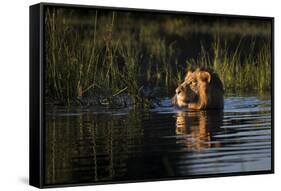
(104, 58)
(250, 73)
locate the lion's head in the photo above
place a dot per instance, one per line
(201, 89)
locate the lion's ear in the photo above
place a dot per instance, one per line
(205, 76)
(188, 74)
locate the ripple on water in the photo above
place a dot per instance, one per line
(88, 145)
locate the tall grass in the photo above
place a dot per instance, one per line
(100, 67)
(108, 57)
(250, 73)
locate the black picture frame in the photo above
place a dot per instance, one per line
(37, 100)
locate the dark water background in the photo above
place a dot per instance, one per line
(102, 144)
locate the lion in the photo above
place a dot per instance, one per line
(202, 89)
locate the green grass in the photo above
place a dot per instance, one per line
(104, 55)
(252, 73)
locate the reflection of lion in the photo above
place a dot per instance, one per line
(197, 128)
(201, 89)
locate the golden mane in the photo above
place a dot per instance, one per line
(201, 89)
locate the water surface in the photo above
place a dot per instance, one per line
(103, 144)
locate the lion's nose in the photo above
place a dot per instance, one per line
(179, 90)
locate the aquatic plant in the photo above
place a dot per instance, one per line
(114, 58)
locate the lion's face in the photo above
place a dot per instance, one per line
(201, 89)
(189, 91)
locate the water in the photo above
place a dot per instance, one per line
(90, 145)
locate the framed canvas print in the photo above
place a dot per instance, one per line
(122, 95)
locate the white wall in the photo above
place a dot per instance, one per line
(14, 67)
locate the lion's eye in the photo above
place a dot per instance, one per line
(193, 83)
